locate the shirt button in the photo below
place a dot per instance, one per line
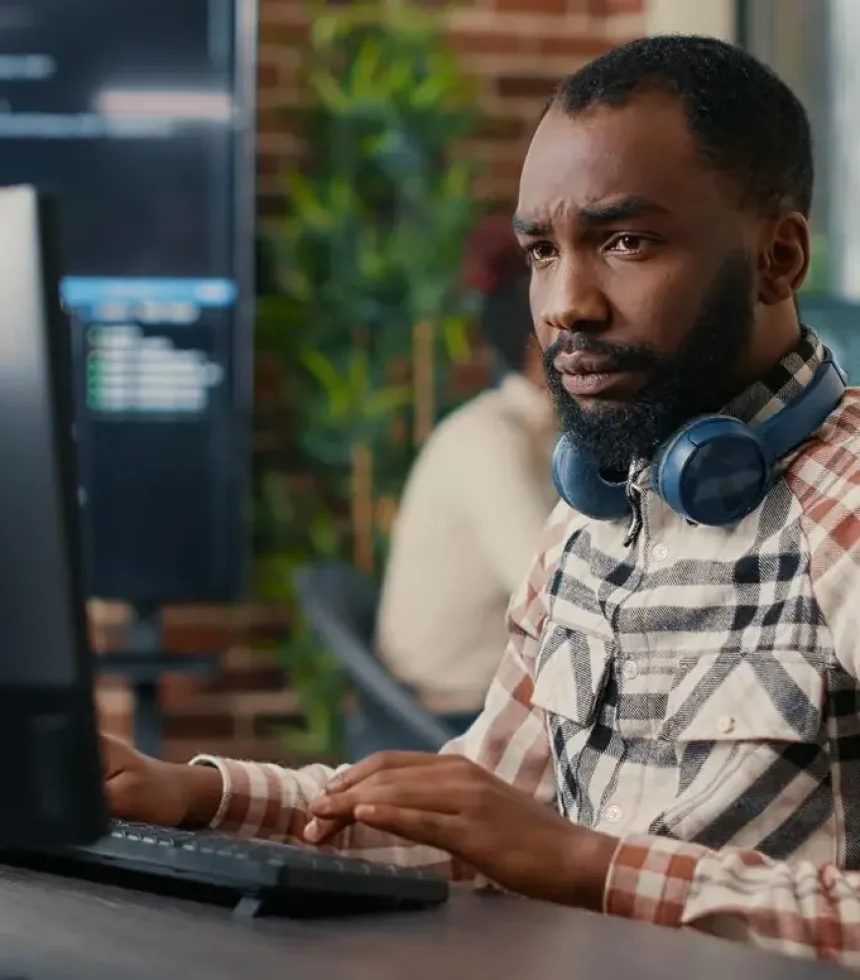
(725, 723)
(630, 669)
(660, 552)
(612, 814)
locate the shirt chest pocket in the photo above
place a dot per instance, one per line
(772, 696)
(581, 680)
(753, 765)
(775, 696)
(573, 670)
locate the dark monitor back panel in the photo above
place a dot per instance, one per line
(138, 116)
(48, 750)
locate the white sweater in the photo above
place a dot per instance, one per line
(465, 534)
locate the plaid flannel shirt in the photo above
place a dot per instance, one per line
(691, 690)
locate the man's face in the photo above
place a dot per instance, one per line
(642, 284)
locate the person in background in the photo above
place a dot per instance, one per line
(473, 507)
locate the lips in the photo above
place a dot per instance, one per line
(585, 374)
(589, 384)
(580, 363)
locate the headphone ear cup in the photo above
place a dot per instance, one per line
(667, 458)
(578, 482)
(560, 463)
(714, 471)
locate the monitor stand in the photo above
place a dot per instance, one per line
(144, 663)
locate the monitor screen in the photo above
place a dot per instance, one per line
(138, 116)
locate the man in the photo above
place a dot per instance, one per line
(686, 696)
(472, 512)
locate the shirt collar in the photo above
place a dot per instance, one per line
(781, 384)
(765, 397)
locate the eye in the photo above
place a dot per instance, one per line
(628, 244)
(540, 254)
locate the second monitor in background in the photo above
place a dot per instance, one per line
(144, 130)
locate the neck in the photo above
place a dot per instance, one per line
(776, 335)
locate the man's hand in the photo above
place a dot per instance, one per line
(150, 791)
(450, 803)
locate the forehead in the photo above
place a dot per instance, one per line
(640, 149)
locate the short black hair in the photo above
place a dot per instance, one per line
(506, 321)
(747, 121)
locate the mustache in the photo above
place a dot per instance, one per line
(621, 357)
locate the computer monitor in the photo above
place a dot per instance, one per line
(49, 760)
(138, 115)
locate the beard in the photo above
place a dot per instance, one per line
(692, 382)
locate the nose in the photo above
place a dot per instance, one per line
(573, 301)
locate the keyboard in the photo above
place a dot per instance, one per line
(254, 877)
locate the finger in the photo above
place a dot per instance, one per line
(377, 763)
(318, 831)
(434, 829)
(402, 788)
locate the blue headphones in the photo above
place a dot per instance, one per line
(714, 470)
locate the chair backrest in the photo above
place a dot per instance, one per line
(340, 605)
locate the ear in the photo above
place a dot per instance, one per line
(783, 258)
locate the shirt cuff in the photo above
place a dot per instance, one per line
(233, 774)
(650, 879)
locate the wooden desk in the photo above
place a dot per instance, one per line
(56, 929)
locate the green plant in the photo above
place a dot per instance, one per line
(357, 341)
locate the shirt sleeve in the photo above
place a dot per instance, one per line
(800, 908)
(825, 480)
(508, 739)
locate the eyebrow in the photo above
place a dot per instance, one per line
(632, 206)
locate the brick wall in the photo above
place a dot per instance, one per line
(517, 50)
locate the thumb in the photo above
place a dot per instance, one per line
(319, 831)
(122, 792)
(116, 755)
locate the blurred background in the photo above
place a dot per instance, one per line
(310, 200)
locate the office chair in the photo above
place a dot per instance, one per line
(340, 605)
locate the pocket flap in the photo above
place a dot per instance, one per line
(571, 673)
(775, 696)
